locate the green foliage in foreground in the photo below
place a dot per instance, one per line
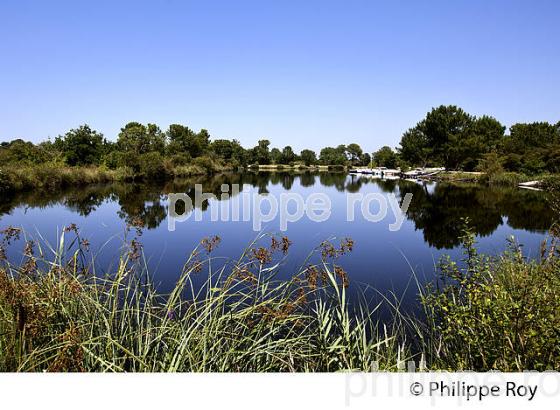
(241, 319)
(56, 315)
(496, 312)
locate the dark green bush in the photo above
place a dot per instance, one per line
(505, 179)
(21, 152)
(6, 185)
(181, 159)
(124, 174)
(130, 160)
(49, 177)
(153, 167)
(205, 163)
(112, 160)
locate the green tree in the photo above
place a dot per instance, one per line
(385, 157)
(355, 153)
(184, 140)
(23, 152)
(365, 159)
(308, 157)
(341, 149)
(275, 156)
(141, 139)
(239, 154)
(202, 143)
(180, 139)
(152, 166)
(222, 148)
(484, 136)
(261, 153)
(230, 151)
(532, 148)
(333, 156)
(414, 148)
(156, 138)
(82, 146)
(288, 155)
(450, 137)
(533, 135)
(446, 128)
(204, 136)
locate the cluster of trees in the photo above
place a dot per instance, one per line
(448, 137)
(145, 148)
(452, 138)
(351, 154)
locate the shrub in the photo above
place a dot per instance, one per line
(153, 167)
(490, 164)
(6, 185)
(551, 183)
(48, 177)
(505, 179)
(234, 163)
(124, 174)
(206, 163)
(181, 159)
(496, 313)
(112, 160)
(23, 153)
(130, 160)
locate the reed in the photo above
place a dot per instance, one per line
(58, 314)
(51, 177)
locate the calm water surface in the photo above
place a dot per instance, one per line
(381, 258)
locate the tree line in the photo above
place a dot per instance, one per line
(447, 137)
(138, 144)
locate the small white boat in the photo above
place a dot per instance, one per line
(531, 185)
(386, 173)
(414, 173)
(361, 171)
(421, 172)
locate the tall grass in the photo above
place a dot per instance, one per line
(56, 314)
(508, 179)
(51, 177)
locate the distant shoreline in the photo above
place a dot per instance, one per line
(15, 179)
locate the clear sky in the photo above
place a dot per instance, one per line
(300, 73)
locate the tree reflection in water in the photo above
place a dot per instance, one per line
(436, 209)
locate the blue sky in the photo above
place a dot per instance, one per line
(300, 73)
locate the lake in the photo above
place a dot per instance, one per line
(381, 259)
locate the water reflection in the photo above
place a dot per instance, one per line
(439, 212)
(436, 209)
